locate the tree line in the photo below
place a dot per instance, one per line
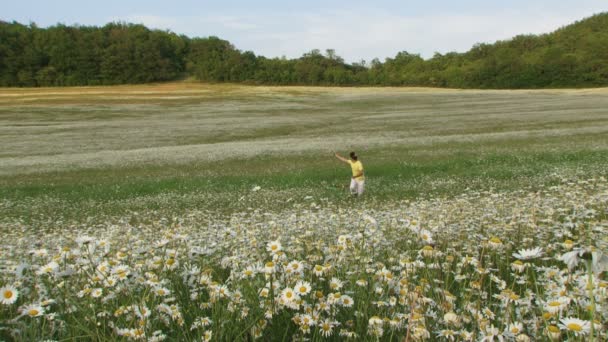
(121, 53)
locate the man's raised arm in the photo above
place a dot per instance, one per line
(341, 158)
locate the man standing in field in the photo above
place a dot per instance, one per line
(357, 181)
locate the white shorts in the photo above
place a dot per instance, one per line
(357, 186)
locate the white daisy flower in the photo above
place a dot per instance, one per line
(8, 295)
(302, 288)
(528, 254)
(575, 325)
(274, 246)
(32, 310)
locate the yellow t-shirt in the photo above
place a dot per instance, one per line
(357, 168)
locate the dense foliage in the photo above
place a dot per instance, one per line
(119, 53)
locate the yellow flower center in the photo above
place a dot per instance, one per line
(574, 327)
(8, 294)
(553, 329)
(33, 312)
(302, 289)
(495, 240)
(554, 303)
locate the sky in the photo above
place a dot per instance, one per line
(356, 30)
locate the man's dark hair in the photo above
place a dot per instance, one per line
(353, 156)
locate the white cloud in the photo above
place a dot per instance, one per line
(151, 21)
(360, 34)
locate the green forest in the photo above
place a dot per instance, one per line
(122, 53)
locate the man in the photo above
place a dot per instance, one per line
(357, 182)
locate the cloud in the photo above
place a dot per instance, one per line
(360, 33)
(151, 21)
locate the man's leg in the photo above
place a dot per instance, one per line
(360, 187)
(353, 186)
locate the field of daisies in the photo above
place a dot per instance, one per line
(480, 266)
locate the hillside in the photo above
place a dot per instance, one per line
(119, 53)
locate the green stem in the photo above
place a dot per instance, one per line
(591, 296)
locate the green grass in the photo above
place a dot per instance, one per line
(118, 192)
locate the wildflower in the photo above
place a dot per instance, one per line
(599, 260)
(171, 263)
(426, 236)
(575, 325)
(495, 242)
(335, 284)
(447, 334)
(274, 247)
(221, 291)
(318, 270)
(289, 295)
(427, 251)
(9, 295)
(419, 332)
(528, 254)
(466, 335)
(553, 332)
(490, 333)
(201, 322)
(518, 266)
(162, 291)
(269, 267)
(557, 306)
(33, 310)
(451, 318)
(249, 272)
(302, 288)
(361, 282)
(141, 311)
(97, 292)
(375, 326)
(326, 327)
(295, 267)
(121, 272)
(346, 301)
(515, 328)
(49, 268)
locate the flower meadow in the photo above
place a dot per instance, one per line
(480, 266)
